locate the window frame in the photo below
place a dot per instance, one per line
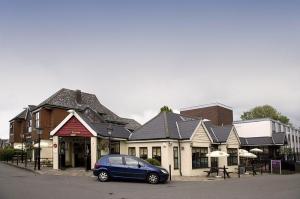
(37, 120)
(132, 148)
(232, 159)
(143, 154)
(176, 158)
(155, 151)
(199, 160)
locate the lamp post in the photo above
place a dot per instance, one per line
(109, 131)
(39, 132)
(22, 139)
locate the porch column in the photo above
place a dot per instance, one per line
(55, 152)
(94, 154)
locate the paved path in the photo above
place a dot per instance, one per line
(17, 183)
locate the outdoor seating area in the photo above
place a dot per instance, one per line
(218, 170)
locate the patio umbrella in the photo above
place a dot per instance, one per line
(256, 150)
(242, 151)
(42, 145)
(248, 155)
(217, 154)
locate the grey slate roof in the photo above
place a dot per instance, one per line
(276, 139)
(187, 128)
(164, 125)
(66, 98)
(118, 131)
(20, 115)
(219, 134)
(131, 123)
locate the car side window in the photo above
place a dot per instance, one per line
(115, 161)
(131, 162)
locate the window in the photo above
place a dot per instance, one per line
(175, 157)
(37, 120)
(131, 162)
(29, 126)
(131, 151)
(156, 153)
(143, 153)
(115, 147)
(232, 159)
(115, 160)
(199, 159)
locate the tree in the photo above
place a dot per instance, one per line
(165, 109)
(265, 111)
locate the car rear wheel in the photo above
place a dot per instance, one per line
(153, 178)
(103, 176)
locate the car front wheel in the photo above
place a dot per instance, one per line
(103, 176)
(153, 178)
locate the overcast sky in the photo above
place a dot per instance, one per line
(137, 56)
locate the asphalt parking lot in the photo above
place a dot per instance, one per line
(18, 183)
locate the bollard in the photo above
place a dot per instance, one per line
(34, 163)
(17, 160)
(170, 172)
(239, 171)
(224, 172)
(26, 160)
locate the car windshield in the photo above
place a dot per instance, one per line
(143, 161)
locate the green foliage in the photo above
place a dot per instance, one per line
(6, 153)
(286, 151)
(165, 109)
(153, 162)
(265, 111)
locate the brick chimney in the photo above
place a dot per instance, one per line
(78, 96)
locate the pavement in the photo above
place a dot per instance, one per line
(49, 171)
(18, 183)
(82, 172)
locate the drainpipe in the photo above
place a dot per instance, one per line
(179, 156)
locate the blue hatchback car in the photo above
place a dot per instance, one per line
(128, 167)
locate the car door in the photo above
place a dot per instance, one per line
(116, 166)
(135, 169)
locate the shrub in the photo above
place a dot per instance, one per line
(153, 161)
(6, 153)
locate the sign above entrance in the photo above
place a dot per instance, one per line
(74, 133)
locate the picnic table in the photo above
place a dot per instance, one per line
(216, 170)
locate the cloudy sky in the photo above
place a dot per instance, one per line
(137, 56)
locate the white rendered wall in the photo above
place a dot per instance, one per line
(254, 129)
(55, 152)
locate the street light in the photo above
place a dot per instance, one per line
(39, 132)
(109, 132)
(22, 139)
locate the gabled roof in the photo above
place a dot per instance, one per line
(163, 126)
(97, 129)
(118, 131)
(66, 98)
(21, 115)
(219, 134)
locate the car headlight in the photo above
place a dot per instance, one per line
(164, 171)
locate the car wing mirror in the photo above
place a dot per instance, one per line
(139, 165)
